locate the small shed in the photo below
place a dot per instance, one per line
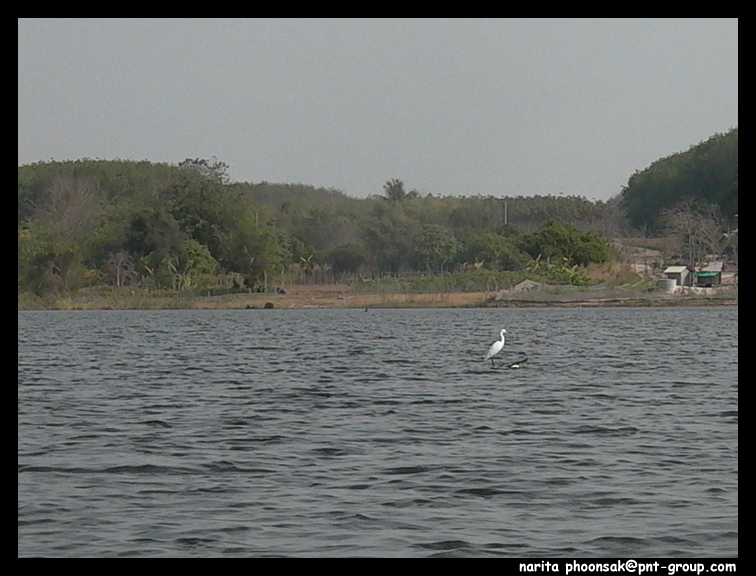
(679, 274)
(710, 275)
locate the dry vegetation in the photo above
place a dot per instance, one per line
(296, 297)
(630, 281)
(342, 296)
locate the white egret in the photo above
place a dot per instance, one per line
(496, 347)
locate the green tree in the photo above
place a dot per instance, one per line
(255, 250)
(210, 169)
(188, 261)
(560, 242)
(55, 235)
(388, 234)
(434, 248)
(393, 190)
(495, 252)
(346, 258)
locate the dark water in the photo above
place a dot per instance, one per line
(379, 433)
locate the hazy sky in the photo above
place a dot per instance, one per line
(451, 107)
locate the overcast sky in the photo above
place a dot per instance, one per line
(451, 107)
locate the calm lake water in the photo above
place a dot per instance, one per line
(378, 433)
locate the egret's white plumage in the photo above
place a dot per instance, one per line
(496, 347)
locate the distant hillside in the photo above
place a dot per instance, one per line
(707, 173)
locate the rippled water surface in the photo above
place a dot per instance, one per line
(378, 433)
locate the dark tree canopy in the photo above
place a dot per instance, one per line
(707, 173)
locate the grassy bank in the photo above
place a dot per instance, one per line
(344, 296)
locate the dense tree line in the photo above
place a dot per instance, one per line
(153, 225)
(126, 223)
(705, 176)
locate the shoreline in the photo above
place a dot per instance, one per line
(342, 297)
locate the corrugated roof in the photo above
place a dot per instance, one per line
(713, 267)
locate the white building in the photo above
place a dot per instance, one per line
(680, 274)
